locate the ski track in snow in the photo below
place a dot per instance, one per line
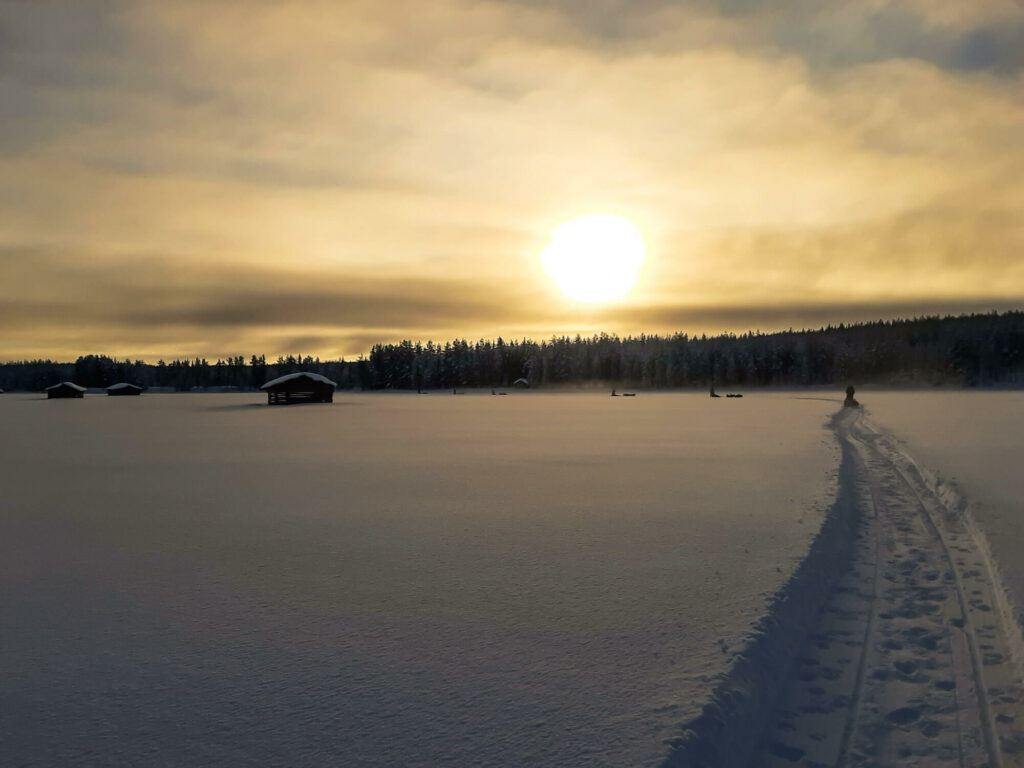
(892, 644)
(915, 657)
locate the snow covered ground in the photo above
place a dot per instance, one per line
(975, 441)
(538, 579)
(916, 657)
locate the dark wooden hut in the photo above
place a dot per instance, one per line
(521, 384)
(65, 389)
(299, 388)
(124, 388)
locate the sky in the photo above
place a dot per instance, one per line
(216, 178)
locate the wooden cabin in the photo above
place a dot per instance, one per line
(65, 389)
(299, 388)
(521, 384)
(124, 388)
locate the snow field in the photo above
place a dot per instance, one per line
(392, 579)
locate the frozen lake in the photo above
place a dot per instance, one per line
(391, 580)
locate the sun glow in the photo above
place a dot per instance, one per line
(594, 256)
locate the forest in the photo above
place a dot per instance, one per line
(978, 350)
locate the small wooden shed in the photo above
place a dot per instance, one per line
(299, 387)
(124, 388)
(65, 389)
(521, 384)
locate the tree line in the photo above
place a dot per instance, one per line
(969, 350)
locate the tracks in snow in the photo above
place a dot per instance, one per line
(914, 660)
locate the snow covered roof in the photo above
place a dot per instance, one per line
(67, 384)
(299, 375)
(124, 385)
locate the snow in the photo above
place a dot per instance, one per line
(123, 385)
(912, 523)
(300, 375)
(916, 657)
(972, 440)
(542, 579)
(70, 384)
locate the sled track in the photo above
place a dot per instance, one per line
(930, 506)
(915, 656)
(893, 644)
(851, 720)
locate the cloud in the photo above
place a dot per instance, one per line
(205, 176)
(166, 306)
(988, 36)
(109, 296)
(775, 317)
(895, 31)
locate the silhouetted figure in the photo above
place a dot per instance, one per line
(850, 401)
(614, 393)
(713, 391)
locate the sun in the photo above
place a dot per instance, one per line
(594, 256)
